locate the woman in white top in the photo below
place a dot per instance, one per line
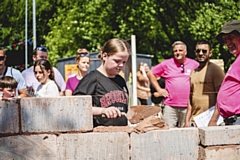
(44, 73)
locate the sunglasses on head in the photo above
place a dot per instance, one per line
(44, 49)
(2, 58)
(83, 54)
(204, 51)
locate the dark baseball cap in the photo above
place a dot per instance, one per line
(230, 26)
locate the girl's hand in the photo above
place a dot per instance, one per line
(111, 112)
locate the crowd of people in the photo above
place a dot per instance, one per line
(183, 87)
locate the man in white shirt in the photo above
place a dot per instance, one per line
(16, 74)
(28, 74)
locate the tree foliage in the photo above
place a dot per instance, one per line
(64, 26)
(210, 17)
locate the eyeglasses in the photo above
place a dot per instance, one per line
(204, 51)
(44, 49)
(182, 68)
(83, 54)
(2, 58)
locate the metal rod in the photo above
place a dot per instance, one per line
(26, 34)
(34, 25)
(134, 69)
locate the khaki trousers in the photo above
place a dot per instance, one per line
(174, 116)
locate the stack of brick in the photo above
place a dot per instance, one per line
(220, 142)
(61, 128)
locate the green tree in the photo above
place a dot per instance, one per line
(12, 22)
(85, 25)
(209, 19)
(64, 26)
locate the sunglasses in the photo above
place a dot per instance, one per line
(230, 37)
(182, 68)
(204, 51)
(2, 58)
(44, 49)
(83, 54)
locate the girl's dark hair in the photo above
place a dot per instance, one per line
(45, 64)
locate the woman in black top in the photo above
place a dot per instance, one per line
(107, 88)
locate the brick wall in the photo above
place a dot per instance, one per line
(61, 128)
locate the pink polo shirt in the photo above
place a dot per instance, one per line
(229, 93)
(177, 83)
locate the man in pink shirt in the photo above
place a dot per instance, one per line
(176, 72)
(228, 105)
